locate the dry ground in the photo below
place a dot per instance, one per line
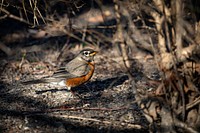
(107, 103)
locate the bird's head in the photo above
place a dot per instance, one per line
(87, 54)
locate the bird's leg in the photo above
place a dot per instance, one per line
(73, 94)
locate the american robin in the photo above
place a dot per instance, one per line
(76, 72)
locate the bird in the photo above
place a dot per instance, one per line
(75, 73)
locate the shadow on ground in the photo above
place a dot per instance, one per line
(33, 109)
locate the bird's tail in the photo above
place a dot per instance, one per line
(38, 81)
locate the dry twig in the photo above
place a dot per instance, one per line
(105, 122)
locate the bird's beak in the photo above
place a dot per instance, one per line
(93, 53)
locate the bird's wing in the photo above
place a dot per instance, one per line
(56, 77)
(77, 68)
(62, 74)
(71, 70)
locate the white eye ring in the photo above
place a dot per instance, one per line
(86, 53)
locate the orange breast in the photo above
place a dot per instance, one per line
(80, 80)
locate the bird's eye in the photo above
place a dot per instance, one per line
(86, 53)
